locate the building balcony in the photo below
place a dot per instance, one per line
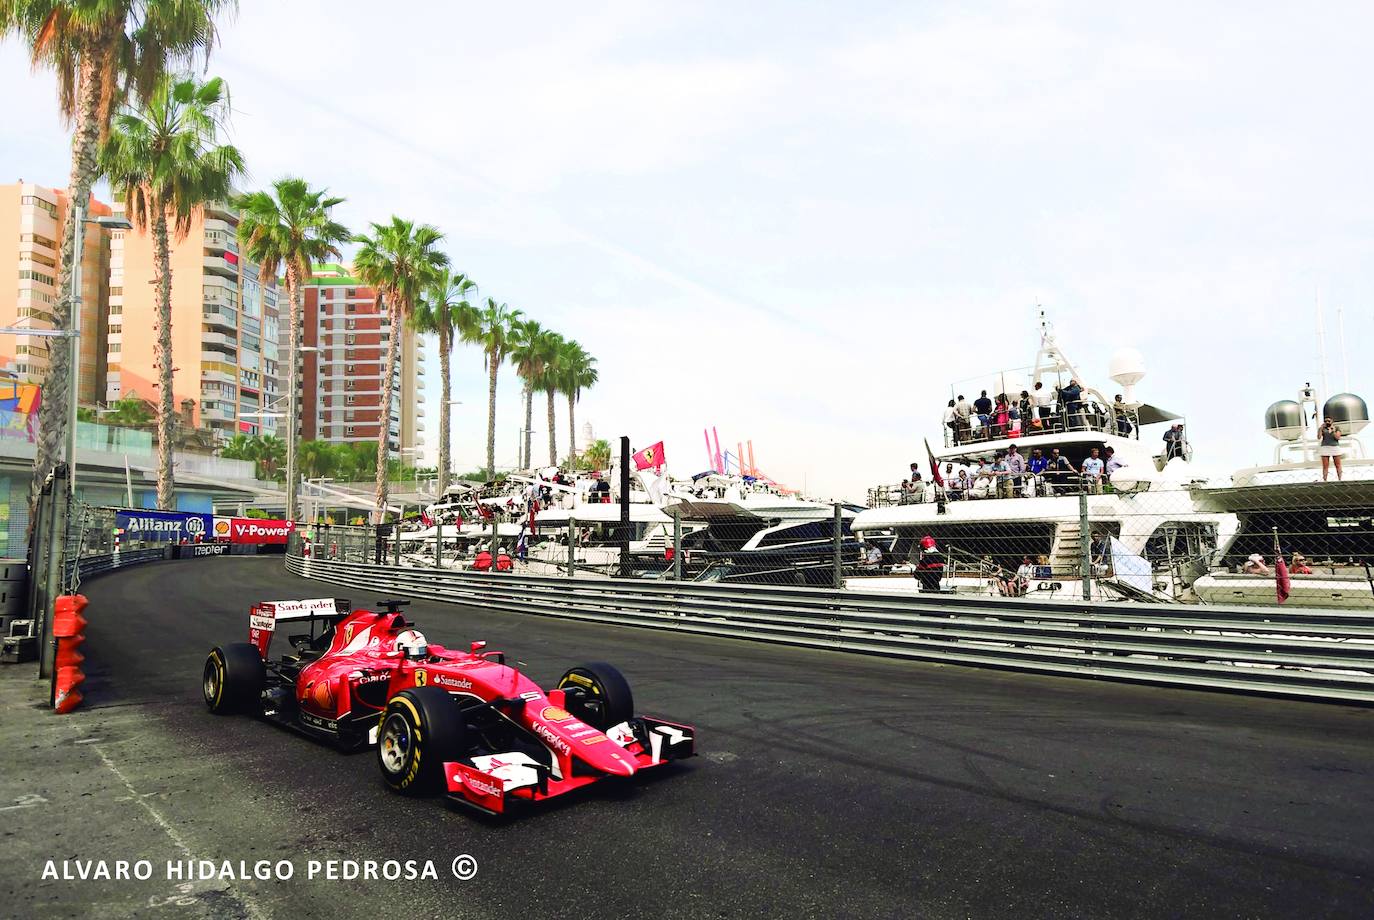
(221, 239)
(220, 266)
(221, 316)
(219, 340)
(216, 371)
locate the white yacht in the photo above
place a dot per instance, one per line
(1329, 521)
(1147, 537)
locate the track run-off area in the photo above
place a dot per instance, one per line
(828, 785)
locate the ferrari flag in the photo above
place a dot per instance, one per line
(650, 457)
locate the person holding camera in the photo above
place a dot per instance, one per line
(1330, 447)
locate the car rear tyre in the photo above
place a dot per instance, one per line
(422, 729)
(233, 678)
(598, 694)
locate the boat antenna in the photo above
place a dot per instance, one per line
(1321, 343)
(1340, 333)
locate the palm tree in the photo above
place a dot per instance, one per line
(290, 227)
(552, 353)
(529, 353)
(578, 373)
(491, 331)
(399, 260)
(163, 161)
(442, 310)
(598, 454)
(101, 51)
(271, 453)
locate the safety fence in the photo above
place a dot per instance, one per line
(1316, 654)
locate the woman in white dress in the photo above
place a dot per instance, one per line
(1330, 447)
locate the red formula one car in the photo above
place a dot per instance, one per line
(460, 721)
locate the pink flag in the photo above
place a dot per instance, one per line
(1283, 585)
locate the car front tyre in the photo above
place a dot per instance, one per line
(422, 729)
(598, 694)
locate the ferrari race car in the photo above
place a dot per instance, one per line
(457, 721)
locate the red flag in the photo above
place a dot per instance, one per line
(1283, 585)
(425, 519)
(649, 457)
(534, 509)
(935, 476)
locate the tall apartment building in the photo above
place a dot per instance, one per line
(32, 221)
(341, 383)
(224, 326)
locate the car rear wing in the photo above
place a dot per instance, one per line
(263, 617)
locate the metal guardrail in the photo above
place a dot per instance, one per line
(1318, 654)
(108, 562)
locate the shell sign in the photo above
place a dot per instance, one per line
(256, 531)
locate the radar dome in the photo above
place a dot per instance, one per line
(1127, 368)
(1283, 420)
(1348, 411)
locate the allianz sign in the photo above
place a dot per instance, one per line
(163, 525)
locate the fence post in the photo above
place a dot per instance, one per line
(1085, 543)
(838, 542)
(677, 547)
(495, 546)
(438, 543)
(53, 580)
(396, 536)
(572, 546)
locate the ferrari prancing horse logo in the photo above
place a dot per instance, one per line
(348, 633)
(421, 678)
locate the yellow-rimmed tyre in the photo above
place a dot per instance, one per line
(422, 729)
(233, 678)
(598, 694)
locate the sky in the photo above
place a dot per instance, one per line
(800, 223)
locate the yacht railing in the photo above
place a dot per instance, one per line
(987, 485)
(1016, 421)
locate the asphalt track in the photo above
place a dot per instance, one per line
(829, 785)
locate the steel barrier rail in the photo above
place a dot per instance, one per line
(1321, 654)
(108, 562)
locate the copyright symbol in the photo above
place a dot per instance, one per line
(464, 867)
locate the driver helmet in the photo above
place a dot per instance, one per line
(411, 644)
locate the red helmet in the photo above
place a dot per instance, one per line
(927, 542)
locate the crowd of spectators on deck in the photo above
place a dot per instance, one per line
(1063, 408)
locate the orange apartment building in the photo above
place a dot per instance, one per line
(32, 221)
(341, 383)
(224, 326)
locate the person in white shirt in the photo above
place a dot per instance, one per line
(1044, 399)
(1112, 465)
(1092, 472)
(951, 423)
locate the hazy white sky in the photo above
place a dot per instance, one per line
(800, 222)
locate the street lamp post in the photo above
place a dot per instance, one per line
(293, 424)
(74, 324)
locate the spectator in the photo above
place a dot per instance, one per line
(1044, 401)
(1330, 448)
(951, 422)
(1024, 573)
(983, 407)
(1016, 470)
(1092, 472)
(917, 487)
(1255, 565)
(960, 486)
(1001, 475)
(962, 411)
(1001, 417)
(1173, 443)
(915, 471)
(1072, 395)
(930, 564)
(1036, 466)
(1058, 472)
(905, 497)
(1300, 566)
(1112, 464)
(1123, 417)
(1025, 411)
(984, 480)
